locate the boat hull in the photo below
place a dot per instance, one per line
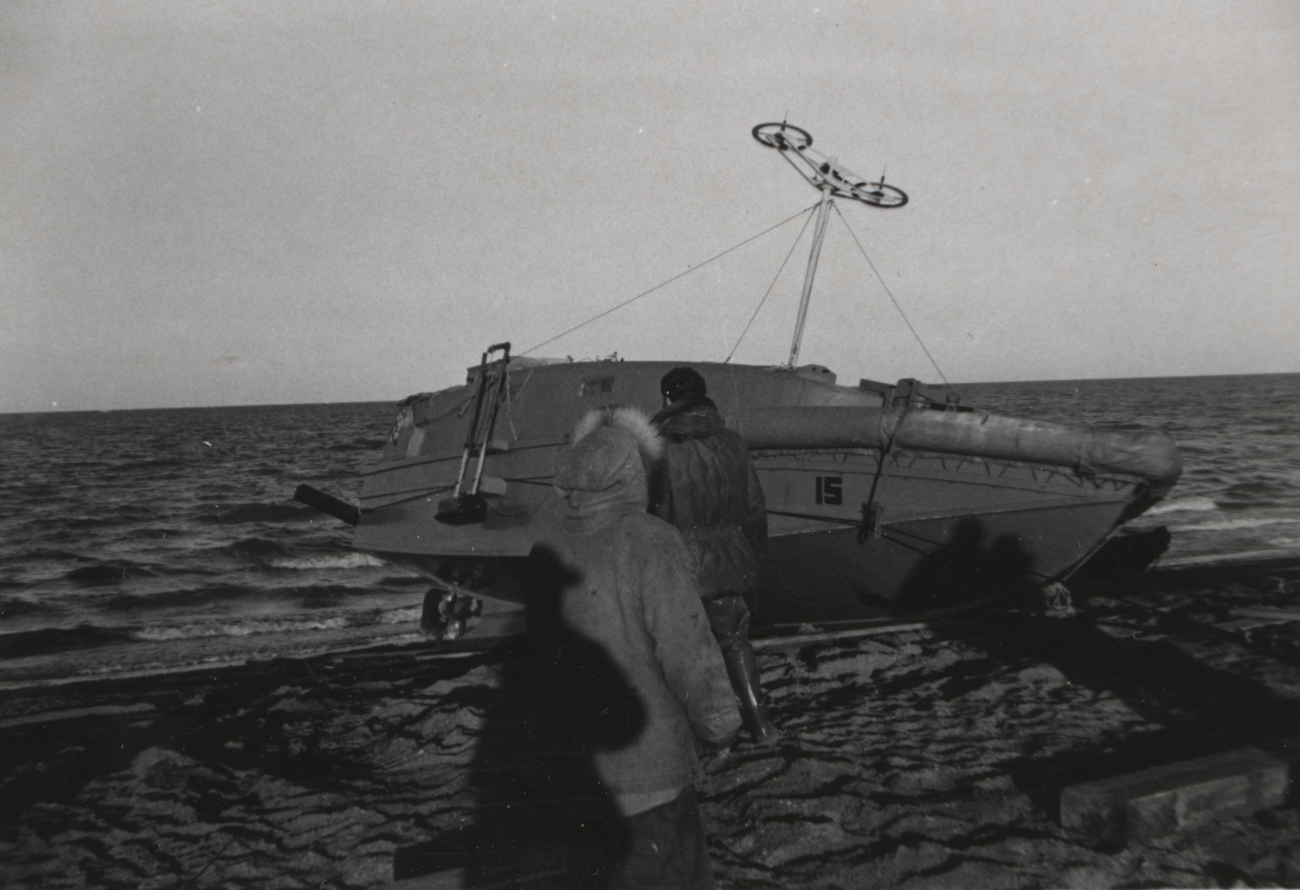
(879, 510)
(924, 567)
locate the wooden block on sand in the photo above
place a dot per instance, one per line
(1180, 796)
(1266, 614)
(461, 879)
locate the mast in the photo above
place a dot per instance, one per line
(819, 235)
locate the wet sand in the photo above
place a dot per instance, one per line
(926, 758)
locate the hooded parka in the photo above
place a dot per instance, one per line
(615, 577)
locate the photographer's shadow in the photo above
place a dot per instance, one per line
(542, 817)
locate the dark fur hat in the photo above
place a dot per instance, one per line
(679, 383)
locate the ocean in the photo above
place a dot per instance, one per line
(139, 542)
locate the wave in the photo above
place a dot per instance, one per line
(1229, 558)
(359, 445)
(203, 599)
(335, 561)
(157, 532)
(1223, 525)
(49, 553)
(116, 571)
(253, 547)
(168, 463)
(104, 573)
(195, 598)
(64, 524)
(1194, 503)
(260, 512)
(1253, 491)
(398, 616)
(119, 512)
(237, 628)
(244, 627)
(12, 607)
(54, 640)
(405, 581)
(57, 639)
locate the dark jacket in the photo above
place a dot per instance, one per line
(705, 484)
(619, 622)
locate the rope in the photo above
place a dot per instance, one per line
(895, 302)
(769, 287)
(510, 417)
(665, 283)
(870, 514)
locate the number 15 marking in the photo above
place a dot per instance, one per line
(829, 490)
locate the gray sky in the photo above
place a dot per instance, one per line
(226, 203)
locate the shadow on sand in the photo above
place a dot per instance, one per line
(542, 813)
(1149, 664)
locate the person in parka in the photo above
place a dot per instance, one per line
(706, 485)
(623, 647)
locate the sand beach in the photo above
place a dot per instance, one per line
(931, 757)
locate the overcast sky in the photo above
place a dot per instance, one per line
(242, 203)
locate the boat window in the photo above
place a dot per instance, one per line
(598, 385)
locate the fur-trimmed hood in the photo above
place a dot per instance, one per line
(601, 473)
(630, 419)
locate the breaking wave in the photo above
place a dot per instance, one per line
(240, 628)
(336, 561)
(244, 627)
(1195, 504)
(1224, 525)
(398, 616)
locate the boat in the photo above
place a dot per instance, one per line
(886, 502)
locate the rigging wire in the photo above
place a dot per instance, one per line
(665, 283)
(770, 286)
(895, 302)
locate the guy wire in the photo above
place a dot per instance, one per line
(895, 302)
(664, 283)
(770, 286)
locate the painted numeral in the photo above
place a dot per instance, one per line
(829, 490)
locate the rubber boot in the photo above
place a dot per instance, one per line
(743, 671)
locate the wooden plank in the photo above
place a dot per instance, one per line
(77, 713)
(461, 879)
(836, 635)
(466, 857)
(1248, 623)
(1267, 614)
(1182, 796)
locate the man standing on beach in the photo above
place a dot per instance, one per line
(706, 485)
(630, 671)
